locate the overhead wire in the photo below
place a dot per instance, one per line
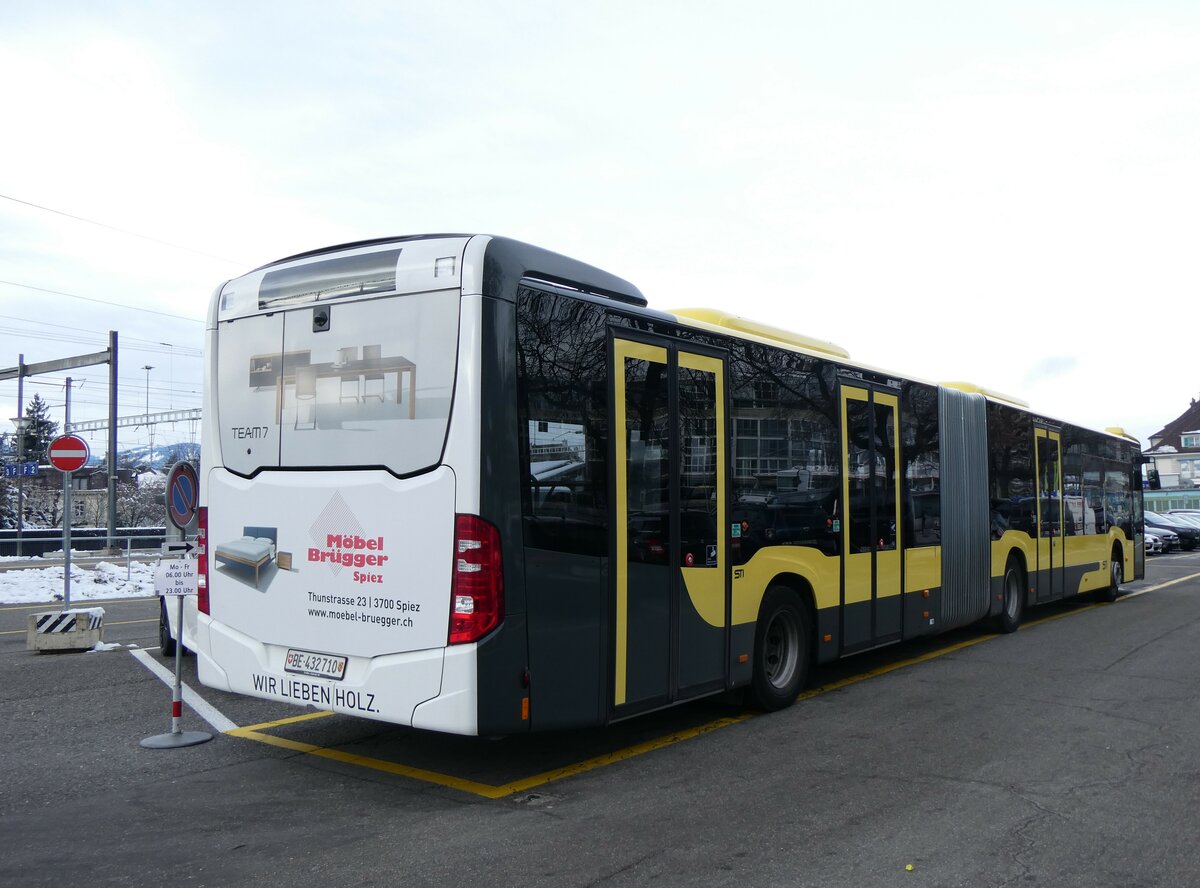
(127, 346)
(49, 332)
(156, 344)
(165, 314)
(124, 231)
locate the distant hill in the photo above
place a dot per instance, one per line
(164, 455)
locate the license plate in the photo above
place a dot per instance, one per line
(320, 665)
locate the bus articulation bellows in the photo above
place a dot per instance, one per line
(465, 484)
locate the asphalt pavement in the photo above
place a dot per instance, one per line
(1065, 754)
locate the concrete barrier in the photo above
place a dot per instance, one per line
(78, 629)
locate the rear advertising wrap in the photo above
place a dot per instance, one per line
(323, 565)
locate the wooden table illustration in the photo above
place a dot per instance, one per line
(295, 368)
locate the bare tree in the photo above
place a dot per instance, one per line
(141, 503)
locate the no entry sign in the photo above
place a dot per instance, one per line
(68, 453)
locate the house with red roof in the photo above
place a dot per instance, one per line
(1174, 450)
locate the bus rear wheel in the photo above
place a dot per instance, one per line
(782, 649)
(1014, 598)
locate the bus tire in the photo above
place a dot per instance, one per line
(166, 643)
(782, 649)
(1013, 606)
(1116, 576)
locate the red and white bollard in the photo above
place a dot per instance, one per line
(178, 736)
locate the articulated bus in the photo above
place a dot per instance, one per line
(468, 485)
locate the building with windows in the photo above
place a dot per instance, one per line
(1174, 455)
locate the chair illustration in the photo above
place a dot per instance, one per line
(373, 378)
(349, 381)
(306, 397)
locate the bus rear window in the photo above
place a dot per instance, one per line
(351, 384)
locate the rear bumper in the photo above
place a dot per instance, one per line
(433, 689)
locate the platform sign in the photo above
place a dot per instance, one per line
(68, 453)
(183, 495)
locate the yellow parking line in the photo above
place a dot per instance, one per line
(373, 763)
(486, 790)
(930, 655)
(308, 716)
(609, 758)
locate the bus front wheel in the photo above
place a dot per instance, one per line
(782, 649)
(1116, 576)
(1014, 598)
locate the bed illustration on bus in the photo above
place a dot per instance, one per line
(249, 552)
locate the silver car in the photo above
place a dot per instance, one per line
(1170, 541)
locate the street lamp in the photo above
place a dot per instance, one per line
(149, 424)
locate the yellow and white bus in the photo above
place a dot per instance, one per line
(465, 484)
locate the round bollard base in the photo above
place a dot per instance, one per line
(172, 741)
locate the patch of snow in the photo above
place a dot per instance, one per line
(104, 646)
(107, 580)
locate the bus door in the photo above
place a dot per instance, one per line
(670, 613)
(872, 608)
(1050, 528)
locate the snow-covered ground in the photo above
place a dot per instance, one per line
(106, 580)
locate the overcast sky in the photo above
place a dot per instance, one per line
(1005, 193)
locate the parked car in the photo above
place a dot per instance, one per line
(1187, 517)
(1170, 541)
(1153, 543)
(1189, 535)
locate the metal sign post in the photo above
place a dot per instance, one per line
(19, 372)
(175, 579)
(67, 453)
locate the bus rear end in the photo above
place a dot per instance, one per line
(345, 565)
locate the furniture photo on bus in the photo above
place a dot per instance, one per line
(250, 552)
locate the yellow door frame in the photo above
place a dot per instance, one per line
(873, 575)
(708, 586)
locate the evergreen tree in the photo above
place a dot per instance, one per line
(8, 503)
(40, 430)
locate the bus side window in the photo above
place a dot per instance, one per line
(563, 409)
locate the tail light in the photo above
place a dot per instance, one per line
(202, 559)
(477, 593)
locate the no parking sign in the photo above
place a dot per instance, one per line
(183, 495)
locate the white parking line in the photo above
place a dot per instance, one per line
(199, 705)
(1158, 586)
